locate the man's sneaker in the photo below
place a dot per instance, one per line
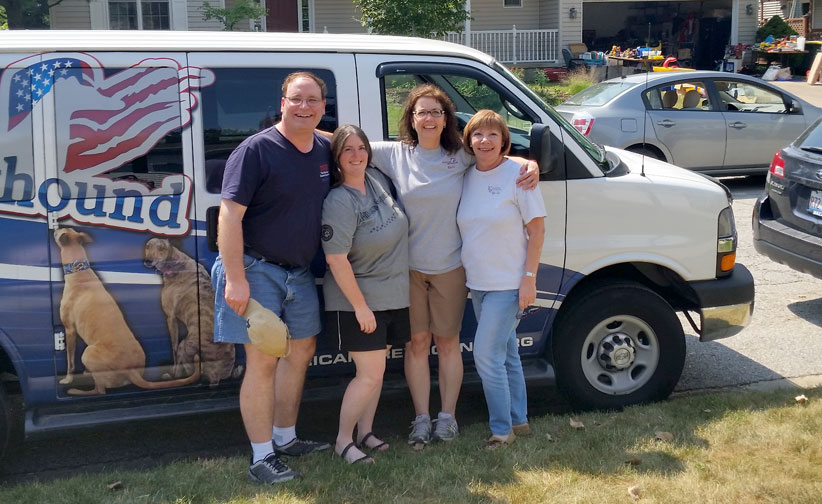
(298, 447)
(445, 429)
(420, 430)
(271, 470)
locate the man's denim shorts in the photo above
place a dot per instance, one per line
(290, 293)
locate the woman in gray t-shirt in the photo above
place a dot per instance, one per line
(365, 240)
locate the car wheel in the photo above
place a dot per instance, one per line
(617, 345)
(645, 151)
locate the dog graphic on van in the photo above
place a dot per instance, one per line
(112, 356)
(187, 298)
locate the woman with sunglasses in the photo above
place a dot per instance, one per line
(427, 167)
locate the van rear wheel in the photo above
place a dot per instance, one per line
(5, 421)
(617, 345)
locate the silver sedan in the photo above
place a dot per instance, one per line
(713, 122)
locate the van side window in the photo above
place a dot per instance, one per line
(468, 95)
(17, 144)
(244, 101)
(127, 127)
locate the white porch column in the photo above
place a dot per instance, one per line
(98, 10)
(467, 29)
(179, 15)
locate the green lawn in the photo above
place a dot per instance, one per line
(735, 447)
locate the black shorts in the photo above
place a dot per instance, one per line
(393, 328)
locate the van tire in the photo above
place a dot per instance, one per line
(597, 367)
(5, 421)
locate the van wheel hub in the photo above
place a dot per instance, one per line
(616, 352)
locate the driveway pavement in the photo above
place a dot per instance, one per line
(812, 93)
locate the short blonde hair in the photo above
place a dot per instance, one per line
(487, 119)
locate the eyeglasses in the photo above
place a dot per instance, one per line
(436, 114)
(311, 102)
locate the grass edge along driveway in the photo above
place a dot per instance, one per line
(736, 446)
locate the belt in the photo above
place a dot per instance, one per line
(256, 255)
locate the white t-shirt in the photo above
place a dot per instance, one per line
(492, 217)
(429, 184)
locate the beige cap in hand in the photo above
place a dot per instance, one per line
(267, 331)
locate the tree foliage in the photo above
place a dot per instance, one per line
(421, 18)
(26, 14)
(243, 9)
(775, 26)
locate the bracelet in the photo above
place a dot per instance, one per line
(530, 274)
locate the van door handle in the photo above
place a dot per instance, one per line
(667, 123)
(737, 125)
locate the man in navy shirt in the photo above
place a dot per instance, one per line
(268, 233)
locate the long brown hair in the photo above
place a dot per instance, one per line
(450, 138)
(341, 135)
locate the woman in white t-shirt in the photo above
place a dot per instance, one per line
(502, 229)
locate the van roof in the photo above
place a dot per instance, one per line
(14, 41)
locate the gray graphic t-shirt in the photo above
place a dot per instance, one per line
(372, 230)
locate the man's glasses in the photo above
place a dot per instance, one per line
(436, 114)
(311, 102)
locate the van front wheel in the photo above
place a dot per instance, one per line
(617, 345)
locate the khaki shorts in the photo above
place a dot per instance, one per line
(438, 302)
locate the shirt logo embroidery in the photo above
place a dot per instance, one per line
(495, 190)
(324, 171)
(327, 232)
(451, 163)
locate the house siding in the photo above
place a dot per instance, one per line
(570, 30)
(747, 25)
(337, 16)
(491, 15)
(70, 15)
(549, 15)
(195, 17)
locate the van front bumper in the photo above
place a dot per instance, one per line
(726, 304)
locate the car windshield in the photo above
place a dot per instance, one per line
(596, 152)
(599, 94)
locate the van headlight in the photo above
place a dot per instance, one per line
(725, 242)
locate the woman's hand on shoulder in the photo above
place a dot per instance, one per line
(368, 323)
(528, 175)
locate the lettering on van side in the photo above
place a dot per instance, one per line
(102, 122)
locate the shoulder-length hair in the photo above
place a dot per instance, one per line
(450, 138)
(487, 119)
(341, 135)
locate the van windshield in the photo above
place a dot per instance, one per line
(596, 152)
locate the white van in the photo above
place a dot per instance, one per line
(111, 158)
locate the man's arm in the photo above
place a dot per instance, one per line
(230, 243)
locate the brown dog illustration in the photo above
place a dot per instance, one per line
(188, 298)
(113, 356)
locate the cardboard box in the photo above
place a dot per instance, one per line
(577, 49)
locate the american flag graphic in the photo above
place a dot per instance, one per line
(104, 119)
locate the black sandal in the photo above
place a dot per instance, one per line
(383, 446)
(365, 459)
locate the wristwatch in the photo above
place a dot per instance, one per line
(530, 274)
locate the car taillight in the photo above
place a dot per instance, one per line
(583, 124)
(777, 165)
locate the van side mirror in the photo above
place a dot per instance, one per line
(541, 147)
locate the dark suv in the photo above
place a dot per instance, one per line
(787, 219)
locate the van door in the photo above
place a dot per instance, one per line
(25, 306)
(472, 86)
(245, 99)
(125, 278)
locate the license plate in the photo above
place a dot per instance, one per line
(815, 203)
